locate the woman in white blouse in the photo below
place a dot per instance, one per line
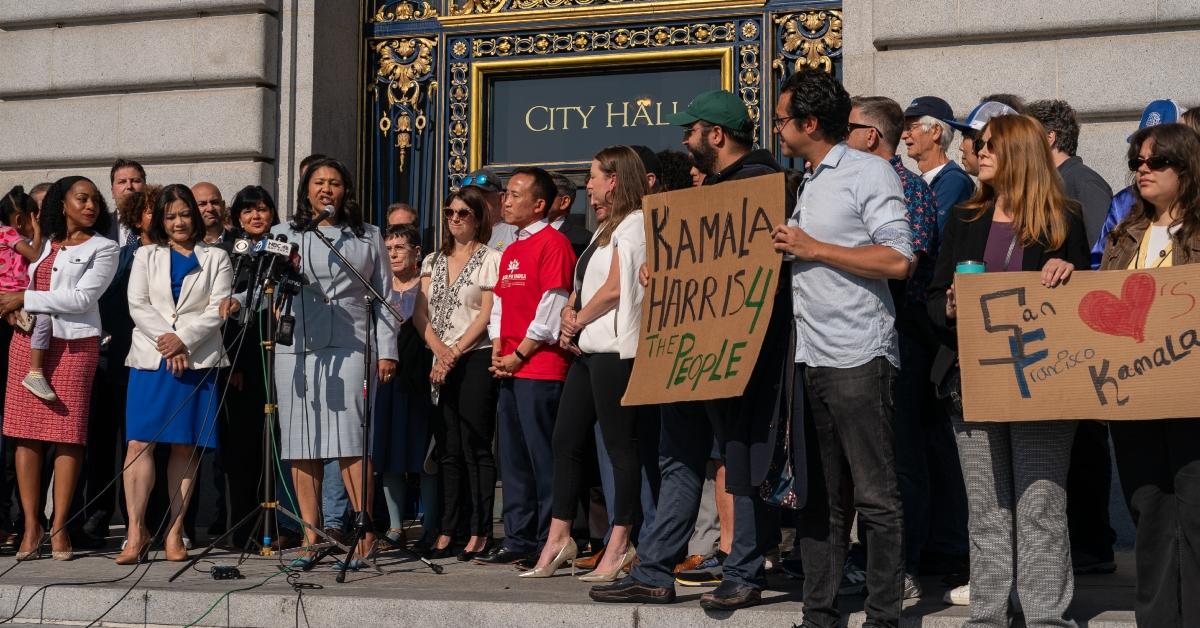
(604, 334)
(456, 285)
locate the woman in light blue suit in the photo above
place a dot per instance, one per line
(320, 377)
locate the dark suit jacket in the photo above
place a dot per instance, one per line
(578, 236)
(965, 239)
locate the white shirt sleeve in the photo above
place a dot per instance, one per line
(494, 319)
(548, 319)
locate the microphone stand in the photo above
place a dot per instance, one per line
(360, 519)
(264, 514)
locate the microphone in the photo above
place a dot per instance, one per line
(266, 245)
(240, 251)
(326, 212)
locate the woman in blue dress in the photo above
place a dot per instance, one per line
(400, 439)
(176, 286)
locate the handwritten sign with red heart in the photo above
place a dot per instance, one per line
(1125, 316)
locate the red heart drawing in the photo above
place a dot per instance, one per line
(1125, 316)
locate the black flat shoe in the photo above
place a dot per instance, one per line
(629, 590)
(730, 596)
(436, 553)
(502, 556)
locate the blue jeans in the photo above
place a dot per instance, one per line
(335, 503)
(852, 415)
(685, 446)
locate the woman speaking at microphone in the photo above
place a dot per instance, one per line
(320, 376)
(175, 289)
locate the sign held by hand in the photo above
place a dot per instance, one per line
(713, 275)
(1110, 345)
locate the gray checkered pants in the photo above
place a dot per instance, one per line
(1016, 475)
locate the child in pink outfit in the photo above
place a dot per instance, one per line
(20, 245)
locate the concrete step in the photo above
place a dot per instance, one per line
(92, 587)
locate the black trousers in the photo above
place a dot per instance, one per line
(241, 448)
(852, 413)
(592, 393)
(1089, 481)
(1159, 463)
(464, 426)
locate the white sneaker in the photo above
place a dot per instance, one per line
(958, 596)
(37, 384)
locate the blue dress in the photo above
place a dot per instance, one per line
(163, 408)
(400, 425)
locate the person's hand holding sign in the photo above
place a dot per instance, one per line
(794, 240)
(1056, 271)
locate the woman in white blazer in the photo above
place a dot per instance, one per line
(176, 286)
(600, 325)
(75, 267)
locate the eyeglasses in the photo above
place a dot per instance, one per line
(779, 123)
(687, 130)
(1154, 162)
(461, 214)
(854, 126)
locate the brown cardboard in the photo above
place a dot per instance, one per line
(713, 272)
(1111, 345)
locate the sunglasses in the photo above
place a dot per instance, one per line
(854, 126)
(1154, 162)
(461, 214)
(479, 180)
(982, 145)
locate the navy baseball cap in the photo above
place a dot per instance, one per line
(979, 116)
(1158, 112)
(931, 106)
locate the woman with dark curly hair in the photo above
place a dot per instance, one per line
(66, 283)
(320, 376)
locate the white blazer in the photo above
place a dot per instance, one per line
(80, 275)
(195, 319)
(617, 330)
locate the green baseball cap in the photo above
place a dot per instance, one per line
(716, 107)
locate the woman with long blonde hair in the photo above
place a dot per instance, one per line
(603, 334)
(1016, 472)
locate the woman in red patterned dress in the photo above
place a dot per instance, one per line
(66, 282)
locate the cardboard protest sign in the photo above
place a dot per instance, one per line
(713, 272)
(1106, 345)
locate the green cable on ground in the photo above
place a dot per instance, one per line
(228, 593)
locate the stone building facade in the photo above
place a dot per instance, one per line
(230, 91)
(238, 91)
(1108, 58)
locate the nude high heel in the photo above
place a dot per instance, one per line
(568, 552)
(611, 576)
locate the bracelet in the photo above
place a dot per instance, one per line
(520, 356)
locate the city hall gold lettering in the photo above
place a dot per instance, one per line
(541, 119)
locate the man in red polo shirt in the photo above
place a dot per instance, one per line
(535, 280)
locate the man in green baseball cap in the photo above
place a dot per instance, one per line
(718, 133)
